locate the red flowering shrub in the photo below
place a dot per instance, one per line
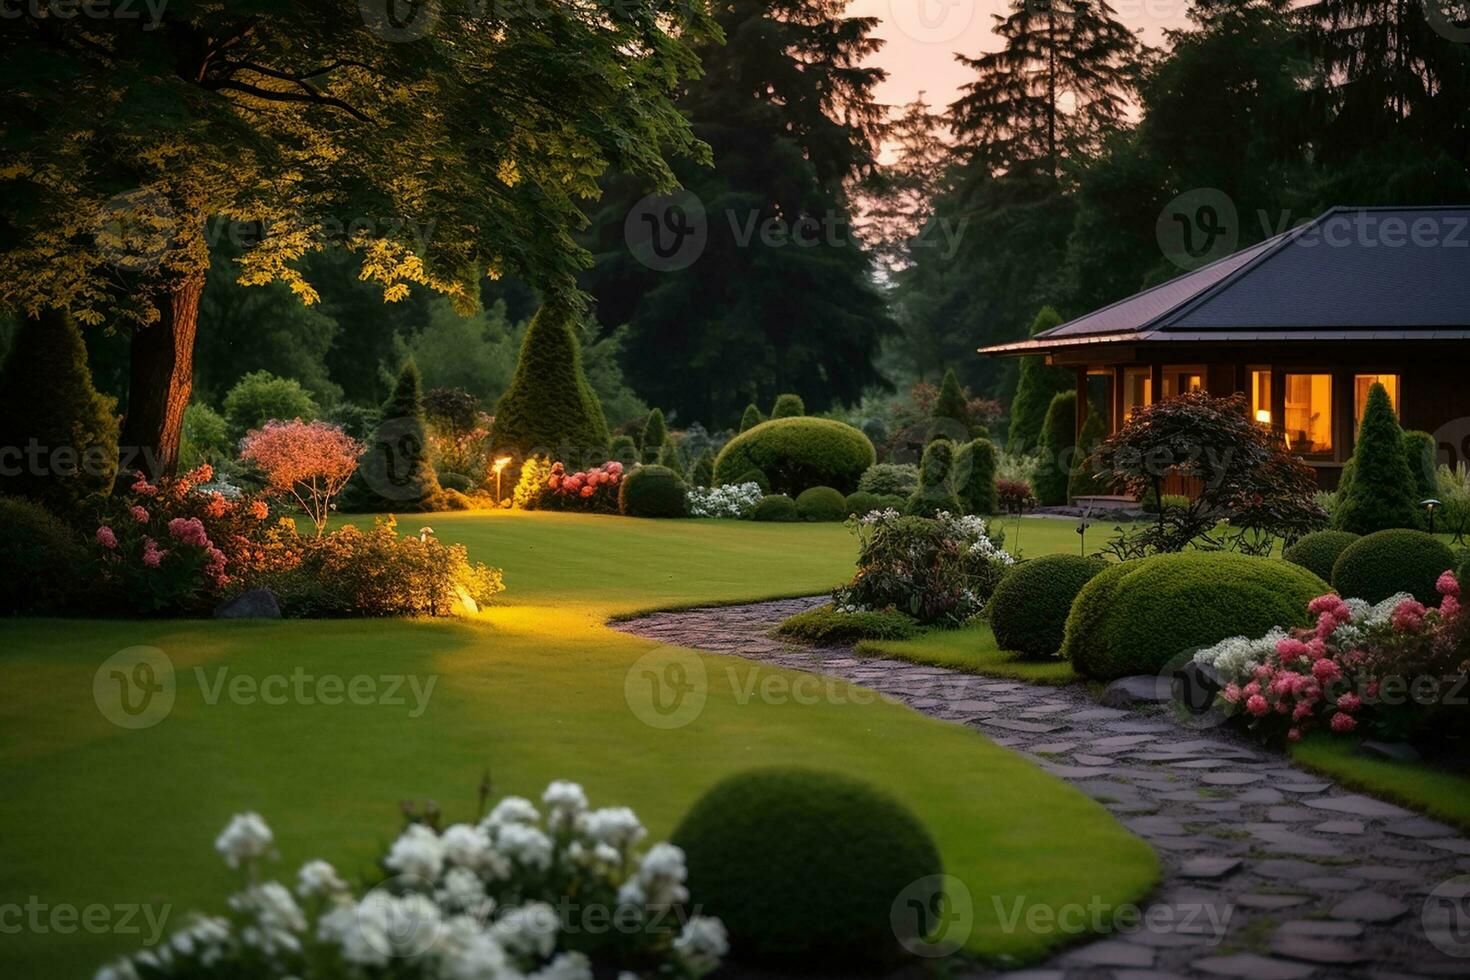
(311, 461)
(1014, 496)
(169, 547)
(593, 491)
(1398, 669)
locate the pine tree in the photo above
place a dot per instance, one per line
(1062, 80)
(64, 431)
(395, 473)
(1038, 384)
(549, 407)
(1058, 443)
(788, 406)
(974, 467)
(935, 492)
(751, 418)
(655, 435)
(901, 205)
(668, 455)
(1382, 491)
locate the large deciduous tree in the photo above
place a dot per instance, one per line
(441, 146)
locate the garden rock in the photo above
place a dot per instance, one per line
(1125, 692)
(253, 604)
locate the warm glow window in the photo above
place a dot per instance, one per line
(1308, 422)
(1363, 383)
(1261, 396)
(1179, 380)
(1138, 390)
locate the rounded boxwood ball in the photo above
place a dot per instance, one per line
(652, 491)
(1028, 611)
(861, 502)
(821, 504)
(796, 453)
(804, 867)
(1397, 560)
(1136, 617)
(774, 507)
(1318, 552)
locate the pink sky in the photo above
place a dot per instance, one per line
(923, 36)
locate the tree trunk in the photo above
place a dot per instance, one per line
(160, 380)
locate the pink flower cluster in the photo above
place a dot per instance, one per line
(584, 483)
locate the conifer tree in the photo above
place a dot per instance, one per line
(751, 418)
(788, 406)
(1058, 443)
(1037, 385)
(394, 473)
(1085, 481)
(951, 401)
(655, 434)
(1382, 491)
(549, 406)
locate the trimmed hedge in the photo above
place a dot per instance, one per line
(1318, 552)
(42, 561)
(825, 626)
(821, 504)
(860, 502)
(974, 471)
(1136, 617)
(450, 480)
(788, 407)
(935, 492)
(774, 507)
(755, 476)
(796, 453)
(896, 479)
(652, 491)
(1397, 560)
(803, 867)
(1028, 612)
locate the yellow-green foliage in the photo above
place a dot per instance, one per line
(797, 453)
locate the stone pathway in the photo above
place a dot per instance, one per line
(1308, 880)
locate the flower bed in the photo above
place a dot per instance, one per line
(1395, 669)
(517, 894)
(547, 485)
(737, 500)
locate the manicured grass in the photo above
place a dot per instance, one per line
(532, 689)
(972, 649)
(1440, 794)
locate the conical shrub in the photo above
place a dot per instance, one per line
(1382, 491)
(549, 407)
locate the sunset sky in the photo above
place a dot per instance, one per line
(923, 36)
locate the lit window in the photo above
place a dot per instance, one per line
(1261, 397)
(1138, 390)
(1363, 383)
(1308, 422)
(1179, 380)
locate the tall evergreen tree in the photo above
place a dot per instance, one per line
(62, 431)
(951, 402)
(899, 207)
(782, 286)
(1058, 443)
(549, 406)
(655, 434)
(1382, 492)
(1034, 390)
(1061, 80)
(395, 473)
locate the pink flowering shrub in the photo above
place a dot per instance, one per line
(170, 547)
(1397, 670)
(311, 461)
(593, 491)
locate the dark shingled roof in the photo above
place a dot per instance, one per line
(1397, 274)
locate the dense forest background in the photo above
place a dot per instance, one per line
(848, 249)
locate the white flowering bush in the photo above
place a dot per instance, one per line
(937, 570)
(516, 896)
(731, 500)
(1235, 659)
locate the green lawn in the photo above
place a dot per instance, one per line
(532, 689)
(1438, 793)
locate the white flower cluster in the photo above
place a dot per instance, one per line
(975, 534)
(475, 902)
(731, 500)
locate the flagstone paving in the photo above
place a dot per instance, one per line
(1310, 880)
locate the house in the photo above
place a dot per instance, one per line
(1303, 324)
